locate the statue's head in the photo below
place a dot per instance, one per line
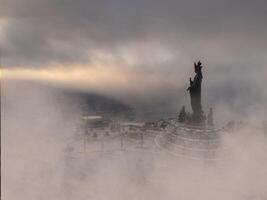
(198, 66)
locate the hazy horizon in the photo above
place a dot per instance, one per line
(139, 51)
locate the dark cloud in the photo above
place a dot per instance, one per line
(69, 31)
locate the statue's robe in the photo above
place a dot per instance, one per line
(195, 96)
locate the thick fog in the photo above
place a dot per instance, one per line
(141, 54)
(38, 125)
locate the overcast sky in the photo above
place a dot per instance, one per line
(113, 45)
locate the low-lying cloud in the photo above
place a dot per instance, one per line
(37, 129)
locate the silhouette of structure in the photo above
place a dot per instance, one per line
(197, 117)
(182, 115)
(210, 118)
(194, 89)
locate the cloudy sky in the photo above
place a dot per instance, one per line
(137, 48)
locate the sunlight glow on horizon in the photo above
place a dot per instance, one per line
(100, 78)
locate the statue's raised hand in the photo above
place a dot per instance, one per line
(198, 64)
